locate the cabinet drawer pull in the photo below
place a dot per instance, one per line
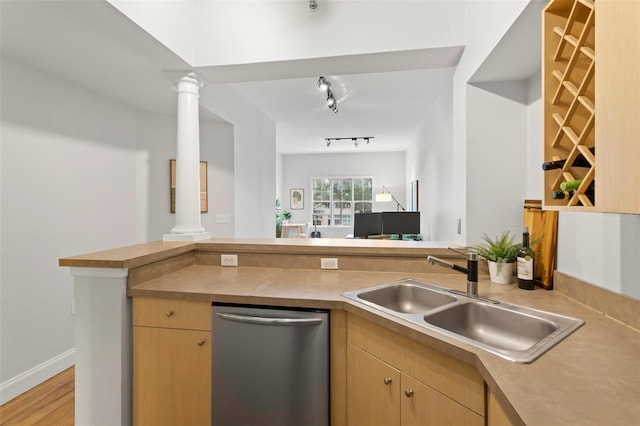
(408, 393)
(201, 342)
(387, 380)
(169, 314)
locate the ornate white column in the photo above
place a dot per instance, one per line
(187, 220)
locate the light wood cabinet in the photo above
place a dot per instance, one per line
(373, 390)
(392, 380)
(496, 416)
(171, 362)
(618, 106)
(422, 405)
(591, 92)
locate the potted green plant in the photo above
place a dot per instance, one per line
(286, 215)
(501, 253)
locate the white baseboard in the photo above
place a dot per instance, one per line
(33, 377)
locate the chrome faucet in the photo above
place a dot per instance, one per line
(471, 270)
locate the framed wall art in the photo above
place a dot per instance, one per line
(297, 199)
(204, 195)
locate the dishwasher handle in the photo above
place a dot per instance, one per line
(269, 321)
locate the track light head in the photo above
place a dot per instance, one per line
(323, 84)
(331, 101)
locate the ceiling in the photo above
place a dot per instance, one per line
(389, 107)
(92, 45)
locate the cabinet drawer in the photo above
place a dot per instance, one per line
(169, 313)
(451, 377)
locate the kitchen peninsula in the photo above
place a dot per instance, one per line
(591, 377)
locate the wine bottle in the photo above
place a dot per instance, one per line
(570, 185)
(565, 195)
(525, 263)
(580, 161)
(561, 195)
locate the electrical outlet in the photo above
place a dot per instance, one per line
(229, 259)
(222, 218)
(329, 263)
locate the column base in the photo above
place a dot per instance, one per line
(187, 237)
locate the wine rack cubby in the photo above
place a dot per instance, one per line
(569, 61)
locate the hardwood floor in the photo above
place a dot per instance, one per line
(50, 403)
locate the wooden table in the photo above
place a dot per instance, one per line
(286, 227)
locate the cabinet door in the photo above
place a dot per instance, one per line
(171, 376)
(373, 390)
(618, 106)
(422, 406)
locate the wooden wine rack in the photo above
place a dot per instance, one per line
(569, 62)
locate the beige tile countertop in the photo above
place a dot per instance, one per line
(142, 254)
(590, 378)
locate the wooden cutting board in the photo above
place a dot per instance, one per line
(543, 229)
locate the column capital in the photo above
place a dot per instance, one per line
(186, 76)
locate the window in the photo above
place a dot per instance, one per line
(336, 200)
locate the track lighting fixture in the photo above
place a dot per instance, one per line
(355, 140)
(325, 86)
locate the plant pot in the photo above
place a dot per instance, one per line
(501, 272)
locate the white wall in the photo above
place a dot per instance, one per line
(68, 187)
(79, 173)
(170, 22)
(217, 148)
(155, 146)
(254, 153)
(486, 23)
(387, 168)
(602, 249)
(496, 164)
(430, 161)
(535, 178)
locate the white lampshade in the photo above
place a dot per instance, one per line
(381, 198)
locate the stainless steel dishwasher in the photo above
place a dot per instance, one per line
(270, 367)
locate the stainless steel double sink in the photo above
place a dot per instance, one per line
(516, 333)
